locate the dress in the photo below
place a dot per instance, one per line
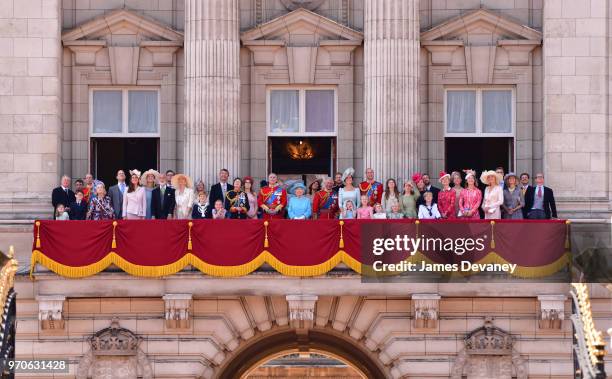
(470, 200)
(347, 215)
(386, 203)
(272, 197)
(395, 216)
(236, 199)
(372, 190)
(511, 200)
(134, 204)
(149, 193)
(457, 190)
(493, 199)
(252, 213)
(184, 204)
(408, 204)
(429, 212)
(63, 217)
(379, 216)
(344, 195)
(365, 212)
(100, 209)
(446, 203)
(299, 208)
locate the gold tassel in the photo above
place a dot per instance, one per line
(492, 234)
(567, 234)
(38, 234)
(114, 243)
(266, 243)
(341, 244)
(189, 244)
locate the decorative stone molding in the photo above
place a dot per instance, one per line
(426, 307)
(518, 50)
(301, 310)
(51, 311)
(489, 353)
(114, 354)
(178, 310)
(308, 4)
(162, 51)
(552, 311)
(85, 51)
(442, 51)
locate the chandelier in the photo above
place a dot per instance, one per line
(301, 150)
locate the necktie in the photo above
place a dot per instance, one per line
(163, 192)
(122, 187)
(66, 190)
(539, 191)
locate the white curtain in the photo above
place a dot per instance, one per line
(320, 111)
(497, 111)
(284, 111)
(107, 112)
(142, 107)
(461, 111)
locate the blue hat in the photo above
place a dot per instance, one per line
(295, 186)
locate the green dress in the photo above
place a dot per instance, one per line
(408, 204)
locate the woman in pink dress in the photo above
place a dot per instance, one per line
(470, 198)
(446, 197)
(252, 196)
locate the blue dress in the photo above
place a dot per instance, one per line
(299, 207)
(149, 193)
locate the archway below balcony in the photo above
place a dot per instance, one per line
(267, 346)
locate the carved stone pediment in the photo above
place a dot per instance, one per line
(488, 340)
(300, 39)
(115, 340)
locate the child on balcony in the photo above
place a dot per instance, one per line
(348, 213)
(429, 210)
(365, 211)
(379, 212)
(396, 212)
(60, 213)
(219, 212)
(199, 208)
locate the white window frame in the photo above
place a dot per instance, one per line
(479, 125)
(302, 111)
(125, 112)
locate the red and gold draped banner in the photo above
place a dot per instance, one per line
(228, 248)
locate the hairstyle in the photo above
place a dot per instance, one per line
(170, 172)
(131, 187)
(218, 201)
(387, 189)
(237, 178)
(57, 208)
(202, 193)
(500, 168)
(347, 203)
(411, 186)
(224, 170)
(79, 191)
(526, 174)
(79, 181)
(310, 190)
(428, 193)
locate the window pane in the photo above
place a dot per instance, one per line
(461, 111)
(497, 111)
(320, 111)
(284, 111)
(107, 112)
(142, 107)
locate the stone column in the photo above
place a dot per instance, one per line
(391, 59)
(212, 88)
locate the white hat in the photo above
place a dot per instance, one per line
(135, 172)
(143, 178)
(486, 174)
(348, 172)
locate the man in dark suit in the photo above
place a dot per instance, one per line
(524, 183)
(62, 195)
(78, 208)
(431, 188)
(163, 200)
(539, 201)
(218, 191)
(116, 194)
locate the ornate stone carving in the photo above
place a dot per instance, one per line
(178, 310)
(308, 4)
(50, 312)
(114, 354)
(488, 353)
(426, 308)
(551, 311)
(301, 310)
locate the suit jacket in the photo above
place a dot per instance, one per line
(216, 193)
(550, 208)
(59, 196)
(78, 211)
(116, 200)
(158, 210)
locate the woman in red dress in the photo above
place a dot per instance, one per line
(446, 197)
(470, 198)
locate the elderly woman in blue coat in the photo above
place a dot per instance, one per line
(299, 207)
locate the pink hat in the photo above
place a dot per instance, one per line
(441, 175)
(416, 176)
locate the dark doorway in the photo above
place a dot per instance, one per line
(302, 155)
(485, 153)
(112, 154)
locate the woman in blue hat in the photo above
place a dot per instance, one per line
(299, 207)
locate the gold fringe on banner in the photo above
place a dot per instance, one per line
(567, 234)
(114, 243)
(189, 244)
(266, 243)
(492, 234)
(341, 243)
(38, 234)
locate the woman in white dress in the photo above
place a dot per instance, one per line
(493, 195)
(184, 196)
(134, 199)
(349, 192)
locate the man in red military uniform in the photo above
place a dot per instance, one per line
(325, 202)
(371, 188)
(272, 199)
